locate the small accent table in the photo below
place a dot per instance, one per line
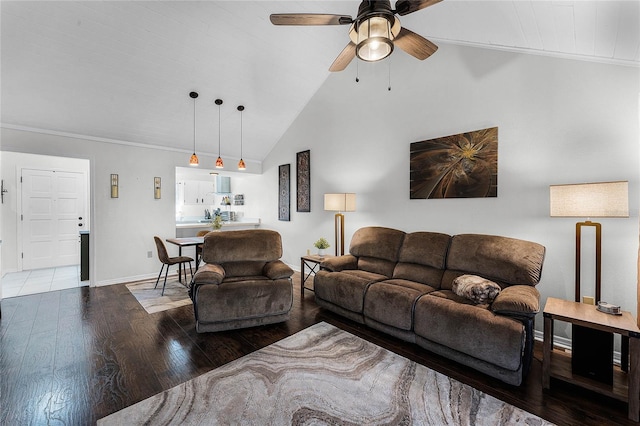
(311, 261)
(557, 364)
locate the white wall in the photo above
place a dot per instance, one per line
(122, 229)
(560, 121)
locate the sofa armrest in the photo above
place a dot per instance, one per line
(277, 269)
(517, 301)
(340, 263)
(209, 273)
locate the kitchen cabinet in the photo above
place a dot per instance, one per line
(195, 192)
(223, 184)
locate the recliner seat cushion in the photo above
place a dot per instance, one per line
(344, 289)
(235, 300)
(470, 329)
(391, 302)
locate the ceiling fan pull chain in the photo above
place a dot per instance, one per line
(389, 88)
(357, 71)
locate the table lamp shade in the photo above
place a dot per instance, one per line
(602, 199)
(345, 202)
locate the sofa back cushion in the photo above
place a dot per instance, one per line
(250, 245)
(377, 249)
(508, 261)
(422, 258)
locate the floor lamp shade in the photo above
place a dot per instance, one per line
(603, 199)
(343, 202)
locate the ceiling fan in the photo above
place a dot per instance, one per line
(373, 33)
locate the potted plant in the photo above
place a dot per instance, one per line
(216, 223)
(322, 244)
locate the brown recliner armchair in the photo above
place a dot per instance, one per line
(243, 282)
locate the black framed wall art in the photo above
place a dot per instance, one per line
(284, 185)
(303, 181)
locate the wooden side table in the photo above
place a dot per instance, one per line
(311, 261)
(557, 364)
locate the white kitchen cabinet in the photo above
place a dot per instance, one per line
(196, 192)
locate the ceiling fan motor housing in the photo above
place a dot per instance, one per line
(373, 30)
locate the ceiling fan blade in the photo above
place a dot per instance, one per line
(344, 58)
(414, 44)
(309, 19)
(404, 7)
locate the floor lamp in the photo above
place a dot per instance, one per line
(592, 349)
(344, 202)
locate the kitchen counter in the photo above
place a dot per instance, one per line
(187, 228)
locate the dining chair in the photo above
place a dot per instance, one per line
(163, 256)
(199, 247)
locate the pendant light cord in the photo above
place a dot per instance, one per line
(194, 125)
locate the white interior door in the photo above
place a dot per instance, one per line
(53, 213)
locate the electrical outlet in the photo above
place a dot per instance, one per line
(149, 254)
(588, 300)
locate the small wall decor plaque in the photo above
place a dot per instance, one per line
(114, 186)
(457, 166)
(157, 187)
(284, 185)
(303, 181)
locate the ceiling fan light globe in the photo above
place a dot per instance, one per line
(374, 49)
(373, 36)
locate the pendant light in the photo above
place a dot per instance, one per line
(219, 162)
(241, 165)
(193, 161)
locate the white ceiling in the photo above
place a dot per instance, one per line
(123, 70)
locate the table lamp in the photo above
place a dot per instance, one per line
(344, 202)
(592, 350)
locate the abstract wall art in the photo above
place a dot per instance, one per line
(457, 166)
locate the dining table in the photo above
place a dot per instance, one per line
(186, 242)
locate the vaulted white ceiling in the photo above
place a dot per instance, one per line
(123, 70)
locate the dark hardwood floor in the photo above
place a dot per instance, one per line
(74, 356)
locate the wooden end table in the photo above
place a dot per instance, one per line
(557, 364)
(311, 261)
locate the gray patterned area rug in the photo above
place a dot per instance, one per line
(152, 300)
(322, 376)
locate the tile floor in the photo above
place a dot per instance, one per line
(41, 280)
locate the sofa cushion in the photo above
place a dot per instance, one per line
(418, 273)
(243, 269)
(391, 302)
(378, 242)
(477, 289)
(425, 248)
(261, 245)
(471, 329)
(505, 260)
(376, 266)
(344, 289)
